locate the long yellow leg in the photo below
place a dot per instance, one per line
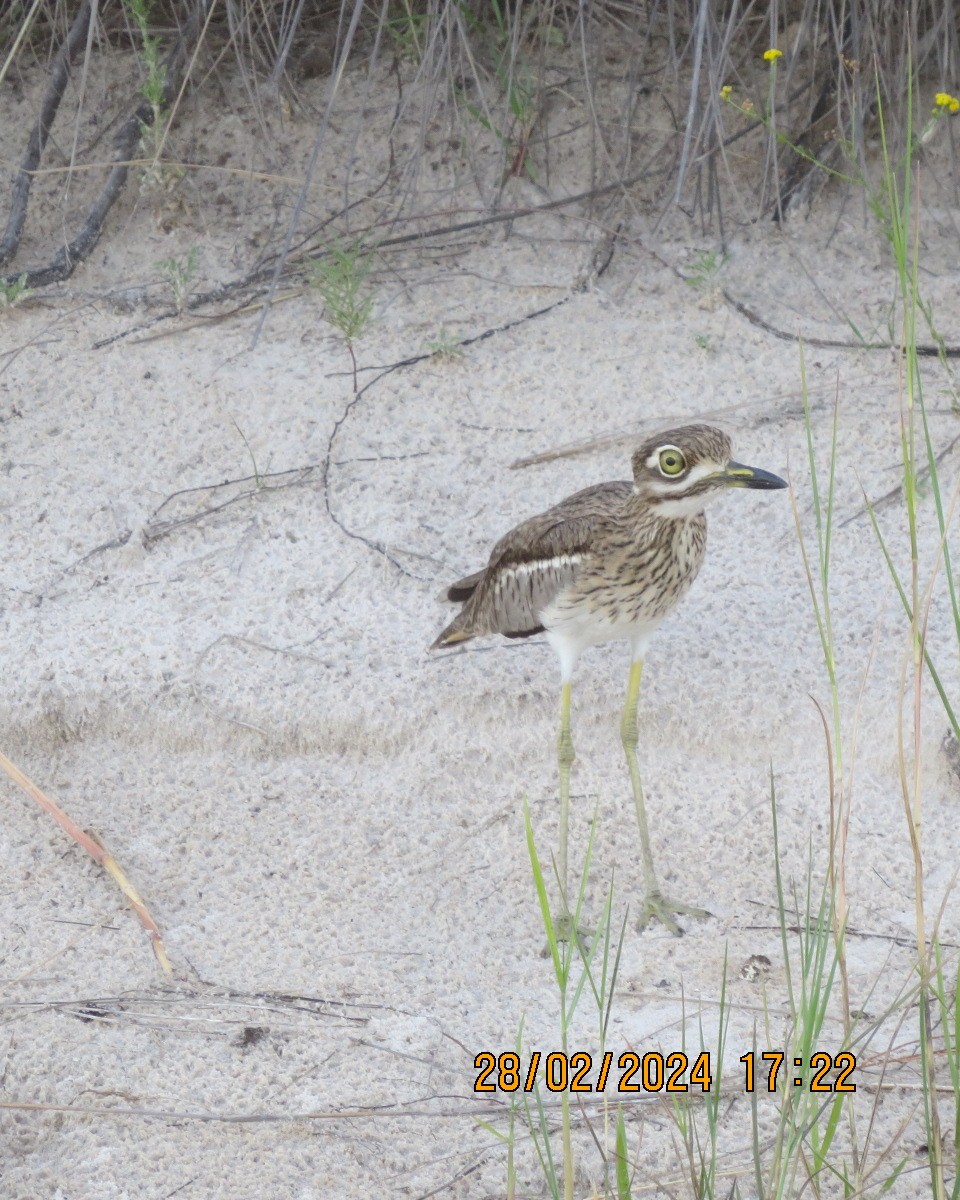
(565, 757)
(630, 738)
(655, 904)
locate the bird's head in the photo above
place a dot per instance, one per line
(677, 472)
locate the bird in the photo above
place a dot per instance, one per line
(608, 563)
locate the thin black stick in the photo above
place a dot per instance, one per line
(68, 257)
(59, 75)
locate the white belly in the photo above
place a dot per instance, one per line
(571, 631)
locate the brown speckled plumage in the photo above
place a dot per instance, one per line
(604, 556)
(607, 564)
(602, 549)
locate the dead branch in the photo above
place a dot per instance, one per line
(59, 76)
(925, 351)
(68, 257)
(98, 852)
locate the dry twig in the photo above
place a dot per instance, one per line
(98, 852)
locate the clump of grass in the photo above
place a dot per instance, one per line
(407, 30)
(504, 37)
(14, 291)
(342, 279)
(803, 1140)
(179, 274)
(258, 480)
(445, 345)
(508, 1137)
(898, 213)
(496, 67)
(153, 131)
(918, 456)
(562, 953)
(702, 1148)
(935, 993)
(599, 957)
(703, 274)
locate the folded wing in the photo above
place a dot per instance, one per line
(530, 567)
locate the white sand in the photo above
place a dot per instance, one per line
(326, 821)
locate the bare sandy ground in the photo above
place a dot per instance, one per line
(326, 820)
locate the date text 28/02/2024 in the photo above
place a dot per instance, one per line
(656, 1072)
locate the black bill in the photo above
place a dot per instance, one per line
(737, 475)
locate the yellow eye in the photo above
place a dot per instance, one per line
(672, 461)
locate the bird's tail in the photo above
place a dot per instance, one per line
(453, 634)
(460, 628)
(463, 589)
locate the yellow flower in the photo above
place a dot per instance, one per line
(942, 99)
(772, 55)
(726, 91)
(954, 104)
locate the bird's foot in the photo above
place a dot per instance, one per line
(656, 906)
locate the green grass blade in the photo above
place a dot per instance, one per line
(623, 1162)
(558, 964)
(904, 600)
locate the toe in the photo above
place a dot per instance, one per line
(657, 906)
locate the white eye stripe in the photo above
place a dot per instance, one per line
(671, 487)
(703, 470)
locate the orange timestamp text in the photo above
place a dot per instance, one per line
(655, 1072)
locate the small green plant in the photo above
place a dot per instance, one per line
(139, 13)
(11, 37)
(256, 471)
(898, 210)
(700, 1144)
(407, 30)
(518, 82)
(703, 340)
(803, 1139)
(932, 992)
(153, 132)
(13, 291)
(445, 345)
(624, 1174)
(705, 269)
(179, 273)
(509, 1139)
(562, 953)
(901, 208)
(341, 278)
(599, 956)
(945, 987)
